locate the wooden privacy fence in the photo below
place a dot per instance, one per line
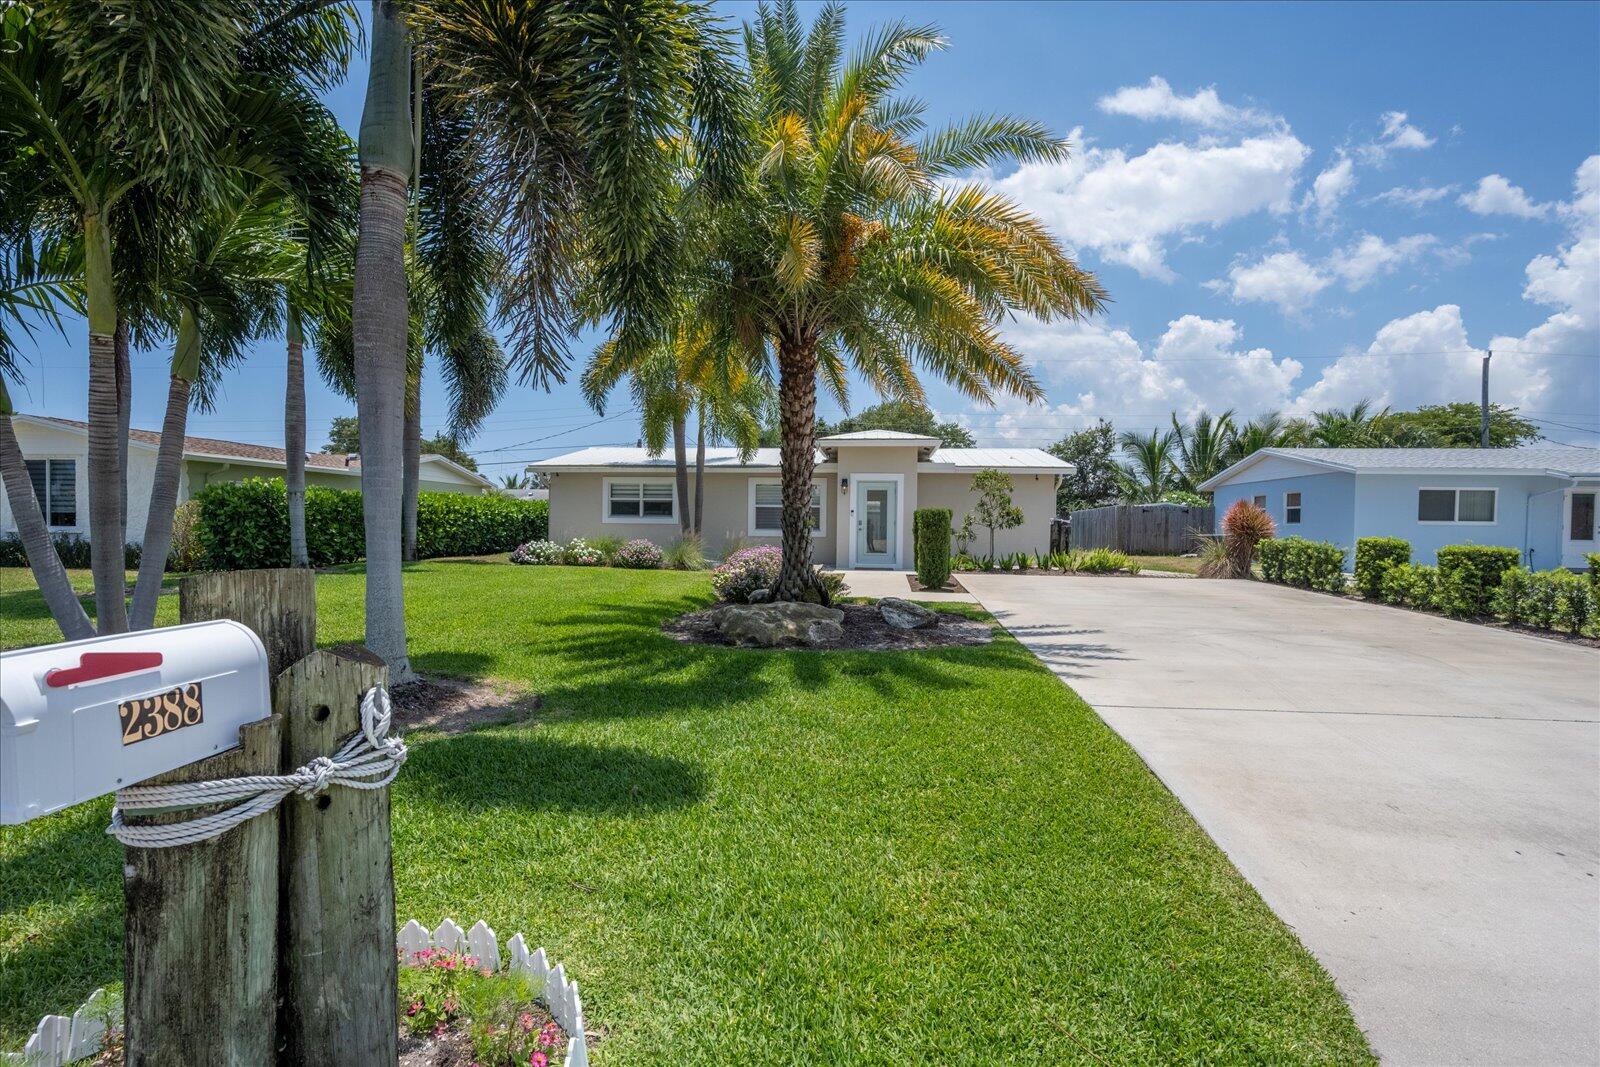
(59, 1040)
(1142, 529)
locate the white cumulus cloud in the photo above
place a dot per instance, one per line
(1284, 279)
(1330, 187)
(1157, 100)
(1370, 256)
(1495, 195)
(1129, 207)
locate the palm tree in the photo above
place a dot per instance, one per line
(1271, 430)
(38, 277)
(567, 104)
(1202, 447)
(1358, 427)
(1152, 468)
(846, 245)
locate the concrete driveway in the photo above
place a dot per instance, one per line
(1418, 798)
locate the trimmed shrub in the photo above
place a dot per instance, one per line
(1304, 564)
(1245, 528)
(638, 554)
(245, 524)
(537, 553)
(1510, 600)
(1415, 585)
(1593, 560)
(745, 571)
(1274, 556)
(73, 550)
(580, 553)
(1469, 576)
(1576, 609)
(1374, 557)
(932, 534)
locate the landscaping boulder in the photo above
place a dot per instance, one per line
(905, 615)
(783, 623)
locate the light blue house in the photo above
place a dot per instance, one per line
(1538, 499)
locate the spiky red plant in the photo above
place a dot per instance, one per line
(1244, 526)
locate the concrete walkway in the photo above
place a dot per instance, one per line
(1418, 798)
(878, 584)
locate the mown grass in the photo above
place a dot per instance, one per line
(749, 857)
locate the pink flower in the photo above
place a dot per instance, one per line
(538, 1059)
(416, 1006)
(449, 1004)
(525, 1020)
(547, 1036)
(439, 1031)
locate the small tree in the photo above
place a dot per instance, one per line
(1093, 480)
(994, 510)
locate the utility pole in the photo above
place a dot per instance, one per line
(1483, 442)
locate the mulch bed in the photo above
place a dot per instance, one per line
(952, 584)
(864, 631)
(452, 706)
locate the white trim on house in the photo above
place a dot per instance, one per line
(1554, 461)
(641, 518)
(1573, 549)
(1456, 510)
(900, 512)
(819, 486)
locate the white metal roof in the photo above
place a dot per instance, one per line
(1032, 460)
(886, 437)
(1015, 460)
(1571, 461)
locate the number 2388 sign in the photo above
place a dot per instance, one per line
(163, 713)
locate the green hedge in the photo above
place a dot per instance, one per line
(1374, 557)
(1469, 576)
(931, 545)
(1548, 600)
(73, 550)
(246, 524)
(1415, 585)
(1305, 564)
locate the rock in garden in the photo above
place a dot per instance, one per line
(783, 623)
(904, 615)
(760, 596)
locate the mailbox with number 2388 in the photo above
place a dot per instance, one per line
(85, 718)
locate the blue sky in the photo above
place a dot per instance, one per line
(1293, 207)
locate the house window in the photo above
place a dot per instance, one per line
(766, 507)
(55, 484)
(1473, 506)
(1260, 501)
(640, 500)
(1582, 518)
(1291, 508)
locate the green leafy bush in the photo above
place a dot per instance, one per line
(1102, 561)
(637, 554)
(1304, 564)
(186, 554)
(1374, 557)
(931, 540)
(1414, 585)
(1576, 609)
(1511, 598)
(1548, 600)
(73, 550)
(1469, 576)
(1593, 560)
(246, 524)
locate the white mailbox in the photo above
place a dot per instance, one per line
(82, 719)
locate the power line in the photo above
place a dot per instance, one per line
(546, 437)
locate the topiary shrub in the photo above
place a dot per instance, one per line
(637, 554)
(1469, 576)
(1374, 557)
(1245, 527)
(1414, 585)
(931, 539)
(745, 571)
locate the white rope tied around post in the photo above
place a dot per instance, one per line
(369, 760)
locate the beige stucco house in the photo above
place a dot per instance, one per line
(56, 452)
(867, 486)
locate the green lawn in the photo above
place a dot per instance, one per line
(745, 857)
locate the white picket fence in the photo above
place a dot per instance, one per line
(59, 1040)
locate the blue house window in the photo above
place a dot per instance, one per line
(1471, 506)
(1291, 508)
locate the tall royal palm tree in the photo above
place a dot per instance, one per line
(1202, 446)
(568, 105)
(849, 245)
(1151, 468)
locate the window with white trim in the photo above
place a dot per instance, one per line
(766, 507)
(640, 500)
(1260, 501)
(1581, 521)
(1473, 506)
(55, 485)
(1291, 508)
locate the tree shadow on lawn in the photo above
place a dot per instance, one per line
(497, 768)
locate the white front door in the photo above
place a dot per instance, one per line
(1578, 526)
(877, 523)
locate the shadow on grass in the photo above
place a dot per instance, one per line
(499, 769)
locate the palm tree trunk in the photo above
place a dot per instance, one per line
(54, 585)
(413, 471)
(797, 415)
(163, 502)
(380, 326)
(699, 471)
(294, 441)
(680, 463)
(124, 415)
(107, 476)
(168, 473)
